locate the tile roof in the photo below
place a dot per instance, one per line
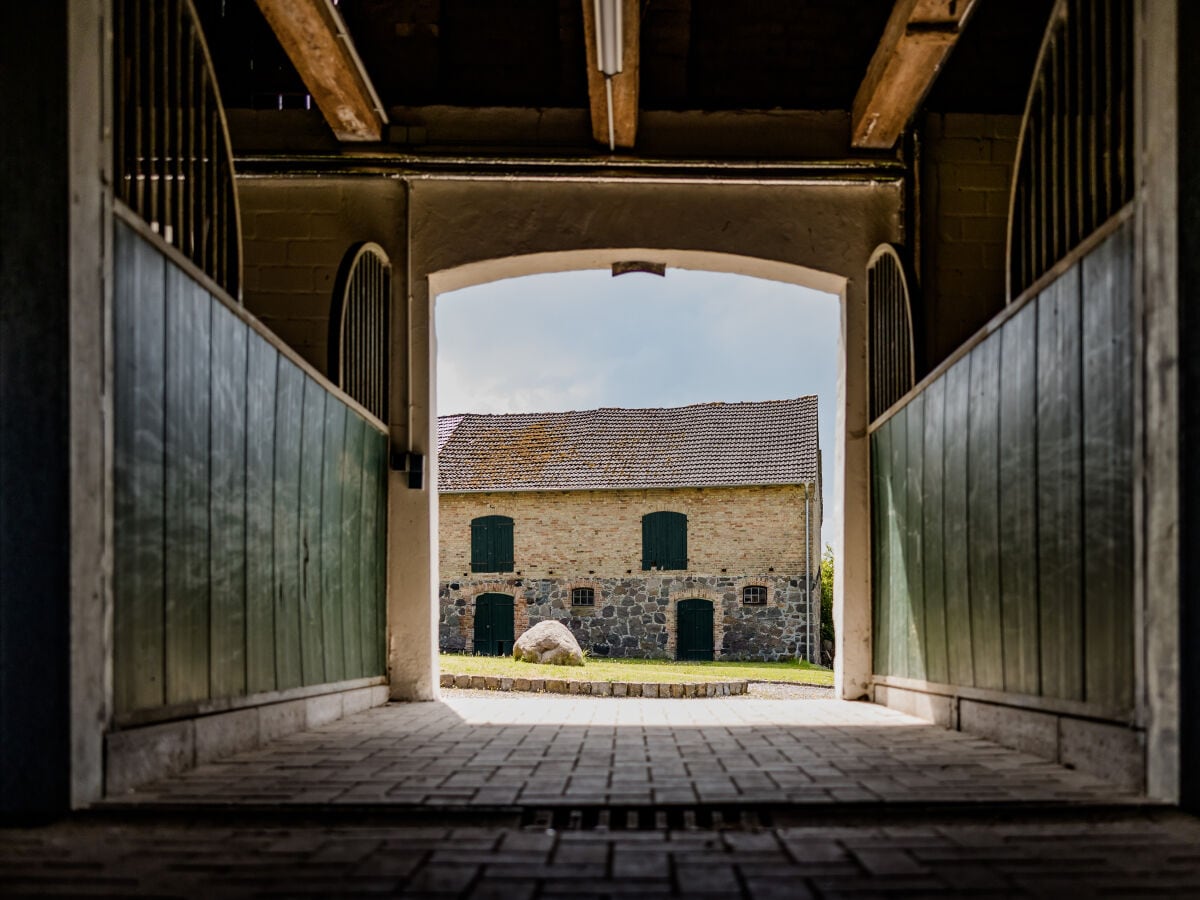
(710, 444)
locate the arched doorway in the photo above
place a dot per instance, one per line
(694, 630)
(494, 624)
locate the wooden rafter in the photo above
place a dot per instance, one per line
(624, 85)
(315, 38)
(918, 38)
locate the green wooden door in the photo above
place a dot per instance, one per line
(694, 629)
(494, 624)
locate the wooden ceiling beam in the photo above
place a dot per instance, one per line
(916, 42)
(315, 38)
(624, 85)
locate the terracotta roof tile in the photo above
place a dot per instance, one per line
(710, 444)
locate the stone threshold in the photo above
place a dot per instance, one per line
(659, 690)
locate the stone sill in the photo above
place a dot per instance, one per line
(659, 690)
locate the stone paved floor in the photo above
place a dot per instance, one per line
(1135, 854)
(547, 750)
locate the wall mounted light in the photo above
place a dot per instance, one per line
(610, 52)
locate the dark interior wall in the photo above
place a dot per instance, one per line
(965, 182)
(34, 421)
(296, 234)
(1003, 510)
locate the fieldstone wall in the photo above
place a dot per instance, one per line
(635, 616)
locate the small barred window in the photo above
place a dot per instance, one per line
(754, 595)
(584, 596)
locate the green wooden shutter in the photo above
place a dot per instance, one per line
(479, 545)
(664, 540)
(675, 524)
(502, 544)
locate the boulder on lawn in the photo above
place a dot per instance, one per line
(548, 642)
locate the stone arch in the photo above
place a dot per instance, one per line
(686, 593)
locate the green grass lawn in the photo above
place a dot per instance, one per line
(655, 670)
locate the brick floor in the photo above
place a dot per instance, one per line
(1131, 854)
(558, 751)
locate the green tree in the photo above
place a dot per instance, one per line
(827, 598)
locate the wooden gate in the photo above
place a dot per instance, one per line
(494, 624)
(694, 630)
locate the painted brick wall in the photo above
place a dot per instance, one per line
(966, 171)
(295, 234)
(730, 530)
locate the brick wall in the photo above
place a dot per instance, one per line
(580, 533)
(295, 234)
(966, 170)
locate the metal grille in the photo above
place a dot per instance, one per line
(1074, 164)
(892, 352)
(173, 161)
(358, 352)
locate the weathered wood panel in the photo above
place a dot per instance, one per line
(227, 513)
(138, 527)
(331, 542)
(956, 545)
(983, 516)
(1060, 476)
(1018, 502)
(897, 533)
(932, 515)
(1108, 472)
(312, 470)
(188, 380)
(351, 475)
(250, 504)
(289, 409)
(881, 452)
(913, 640)
(262, 366)
(1009, 481)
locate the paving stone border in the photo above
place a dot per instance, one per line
(661, 690)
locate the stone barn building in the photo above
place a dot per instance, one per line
(686, 533)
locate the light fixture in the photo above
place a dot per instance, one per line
(610, 52)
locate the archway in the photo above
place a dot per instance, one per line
(813, 233)
(694, 630)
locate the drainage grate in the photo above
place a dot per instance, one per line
(646, 818)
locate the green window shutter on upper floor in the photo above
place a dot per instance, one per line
(492, 544)
(664, 541)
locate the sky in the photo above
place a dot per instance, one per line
(582, 340)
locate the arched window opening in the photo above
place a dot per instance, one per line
(492, 544)
(664, 541)
(891, 341)
(359, 327)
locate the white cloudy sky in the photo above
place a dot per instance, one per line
(581, 340)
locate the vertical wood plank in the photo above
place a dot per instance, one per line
(914, 550)
(289, 411)
(262, 366)
(1060, 473)
(332, 586)
(312, 468)
(932, 516)
(897, 531)
(381, 532)
(955, 536)
(188, 319)
(227, 512)
(138, 528)
(368, 611)
(351, 475)
(1108, 471)
(1018, 502)
(881, 456)
(983, 514)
